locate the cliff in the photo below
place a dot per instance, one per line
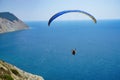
(10, 72)
(9, 23)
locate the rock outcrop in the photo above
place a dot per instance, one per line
(9, 23)
(10, 72)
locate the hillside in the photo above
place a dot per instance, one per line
(9, 23)
(10, 72)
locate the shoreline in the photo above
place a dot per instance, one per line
(16, 73)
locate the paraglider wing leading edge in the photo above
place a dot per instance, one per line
(69, 11)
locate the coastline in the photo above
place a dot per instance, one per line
(15, 73)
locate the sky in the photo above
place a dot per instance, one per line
(42, 10)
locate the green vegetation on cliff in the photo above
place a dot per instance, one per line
(8, 16)
(10, 72)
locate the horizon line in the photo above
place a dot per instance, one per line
(68, 20)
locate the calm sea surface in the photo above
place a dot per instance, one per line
(46, 51)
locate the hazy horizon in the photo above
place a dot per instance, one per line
(39, 10)
(71, 20)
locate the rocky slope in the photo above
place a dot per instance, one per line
(9, 23)
(10, 72)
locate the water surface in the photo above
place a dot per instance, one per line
(46, 51)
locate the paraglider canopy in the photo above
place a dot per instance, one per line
(69, 11)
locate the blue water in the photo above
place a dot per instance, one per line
(46, 51)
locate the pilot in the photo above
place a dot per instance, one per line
(73, 51)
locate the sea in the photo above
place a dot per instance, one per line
(46, 50)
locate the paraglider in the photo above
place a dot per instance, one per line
(69, 11)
